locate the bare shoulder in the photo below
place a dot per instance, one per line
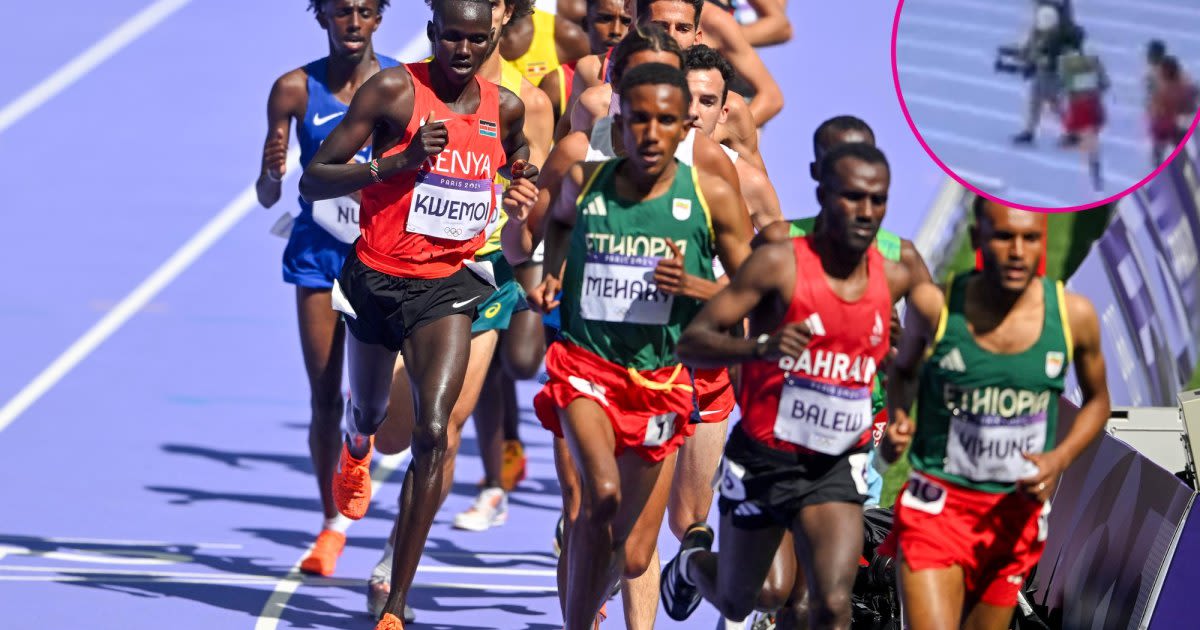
(718, 26)
(511, 105)
(1081, 315)
(927, 299)
(777, 232)
(290, 92)
(535, 100)
(587, 70)
(597, 99)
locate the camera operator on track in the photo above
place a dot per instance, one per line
(1037, 61)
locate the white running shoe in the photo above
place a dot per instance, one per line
(490, 510)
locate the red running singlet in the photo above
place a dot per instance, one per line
(426, 223)
(821, 402)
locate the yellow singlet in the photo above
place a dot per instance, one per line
(542, 56)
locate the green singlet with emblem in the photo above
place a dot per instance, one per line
(978, 411)
(610, 303)
(888, 244)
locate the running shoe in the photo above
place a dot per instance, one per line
(490, 510)
(378, 589)
(512, 471)
(763, 621)
(352, 483)
(323, 556)
(679, 598)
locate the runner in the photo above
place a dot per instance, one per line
(537, 43)
(1172, 108)
(709, 77)
(440, 133)
(796, 461)
(315, 96)
(606, 23)
(504, 460)
(681, 20)
(1085, 82)
(615, 391)
(971, 521)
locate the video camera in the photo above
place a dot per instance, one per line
(1013, 60)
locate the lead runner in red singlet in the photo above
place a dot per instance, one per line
(819, 309)
(440, 133)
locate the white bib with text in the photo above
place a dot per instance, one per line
(620, 288)
(338, 216)
(826, 418)
(450, 207)
(984, 447)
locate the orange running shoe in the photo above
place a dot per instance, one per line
(352, 483)
(323, 557)
(512, 470)
(389, 622)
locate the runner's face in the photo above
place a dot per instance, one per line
(653, 121)
(853, 201)
(677, 18)
(607, 22)
(708, 106)
(350, 24)
(833, 138)
(1012, 242)
(461, 37)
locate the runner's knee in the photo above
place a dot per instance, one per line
(366, 417)
(600, 502)
(831, 608)
(430, 437)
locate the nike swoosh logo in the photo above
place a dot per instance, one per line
(319, 120)
(709, 413)
(464, 303)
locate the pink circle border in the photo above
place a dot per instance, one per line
(968, 186)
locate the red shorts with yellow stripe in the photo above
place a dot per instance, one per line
(997, 539)
(650, 410)
(714, 394)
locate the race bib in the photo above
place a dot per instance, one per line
(338, 216)
(986, 447)
(620, 288)
(1085, 82)
(450, 207)
(659, 429)
(829, 419)
(923, 494)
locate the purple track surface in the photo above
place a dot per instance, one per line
(163, 477)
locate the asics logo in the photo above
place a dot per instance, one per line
(319, 120)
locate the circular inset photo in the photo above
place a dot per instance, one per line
(1049, 104)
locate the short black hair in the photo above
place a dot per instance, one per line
(638, 39)
(1156, 50)
(701, 57)
(868, 153)
(655, 74)
(521, 8)
(978, 204)
(844, 122)
(643, 8)
(315, 5)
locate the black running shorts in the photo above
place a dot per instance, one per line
(760, 486)
(389, 308)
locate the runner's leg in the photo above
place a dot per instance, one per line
(933, 598)
(639, 588)
(436, 356)
(323, 342)
(828, 545)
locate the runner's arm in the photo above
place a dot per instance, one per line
(288, 99)
(762, 202)
(551, 86)
(1090, 373)
(570, 40)
(374, 107)
(921, 320)
(539, 122)
(512, 126)
(587, 74)
(732, 44)
(520, 237)
(592, 105)
(706, 342)
(772, 26)
(561, 222)
(731, 225)
(776, 232)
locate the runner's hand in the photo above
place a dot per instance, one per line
(519, 199)
(543, 297)
(522, 169)
(429, 140)
(789, 341)
(275, 155)
(896, 437)
(1040, 486)
(669, 274)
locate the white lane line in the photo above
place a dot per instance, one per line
(452, 570)
(183, 258)
(339, 582)
(87, 61)
(285, 587)
(138, 543)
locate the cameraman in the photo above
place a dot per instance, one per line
(1039, 57)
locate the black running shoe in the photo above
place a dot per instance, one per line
(558, 537)
(1025, 137)
(679, 598)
